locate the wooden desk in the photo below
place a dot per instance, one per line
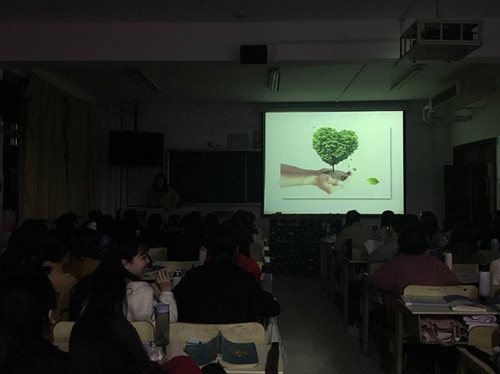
(262, 350)
(236, 332)
(402, 310)
(349, 270)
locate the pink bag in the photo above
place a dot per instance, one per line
(442, 330)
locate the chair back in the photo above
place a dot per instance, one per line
(62, 333)
(158, 254)
(465, 290)
(493, 289)
(236, 332)
(145, 329)
(465, 268)
(371, 299)
(480, 336)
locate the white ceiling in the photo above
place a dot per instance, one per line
(239, 10)
(217, 81)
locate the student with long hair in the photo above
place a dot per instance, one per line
(28, 305)
(412, 265)
(106, 343)
(116, 285)
(55, 255)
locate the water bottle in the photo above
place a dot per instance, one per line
(162, 327)
(494, 249)
(484, 280)
(202, 255)
(176, 278)
(266, 279)
(265, 251)
(448, 260)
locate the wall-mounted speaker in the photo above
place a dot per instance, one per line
(253, 54)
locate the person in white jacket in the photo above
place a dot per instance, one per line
(117, 285)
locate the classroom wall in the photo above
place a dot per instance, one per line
(207, 126)
(484, 125)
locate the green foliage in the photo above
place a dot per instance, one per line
(372, 181)
(334, 146)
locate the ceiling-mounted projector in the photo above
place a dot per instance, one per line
(440, 40)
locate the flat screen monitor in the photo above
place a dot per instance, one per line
(333, 162)
(135, 148)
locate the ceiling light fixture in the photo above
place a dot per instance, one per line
(274, 79)
(408, 77)
(145, 80)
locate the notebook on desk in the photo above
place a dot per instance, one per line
(464, 304)
(423, 300)
(458, 303)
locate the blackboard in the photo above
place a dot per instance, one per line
(216, 176)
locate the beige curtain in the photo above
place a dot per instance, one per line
(60, 154)
(82, 157)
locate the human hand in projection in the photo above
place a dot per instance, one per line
(294, 176)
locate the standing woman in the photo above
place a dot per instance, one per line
(116, 285)
(161, 195)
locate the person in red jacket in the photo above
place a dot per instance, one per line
(412, 265)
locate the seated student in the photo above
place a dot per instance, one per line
(429, 223)
(383, 230)
(27, 313)
(89, 228)
(104, 342)
(129, 224)
(107, 229)
(353, 229)
(23, 244)
(83, 256)
(54, 255)
(116, 285)
(242, 257)
(412, 265)
(220, 291)
(154, 234)
(174, 239)
(389, 249)
(463, 244)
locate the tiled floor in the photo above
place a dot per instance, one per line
(314, 337)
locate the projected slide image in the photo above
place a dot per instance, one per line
(344, 157)
(355, 167)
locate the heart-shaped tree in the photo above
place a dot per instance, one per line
(334, 146)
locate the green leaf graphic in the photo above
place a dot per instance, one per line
(372, 181)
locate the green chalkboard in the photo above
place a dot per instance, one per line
(216, 176)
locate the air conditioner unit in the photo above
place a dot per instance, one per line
(441, 40)
(463, 93)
